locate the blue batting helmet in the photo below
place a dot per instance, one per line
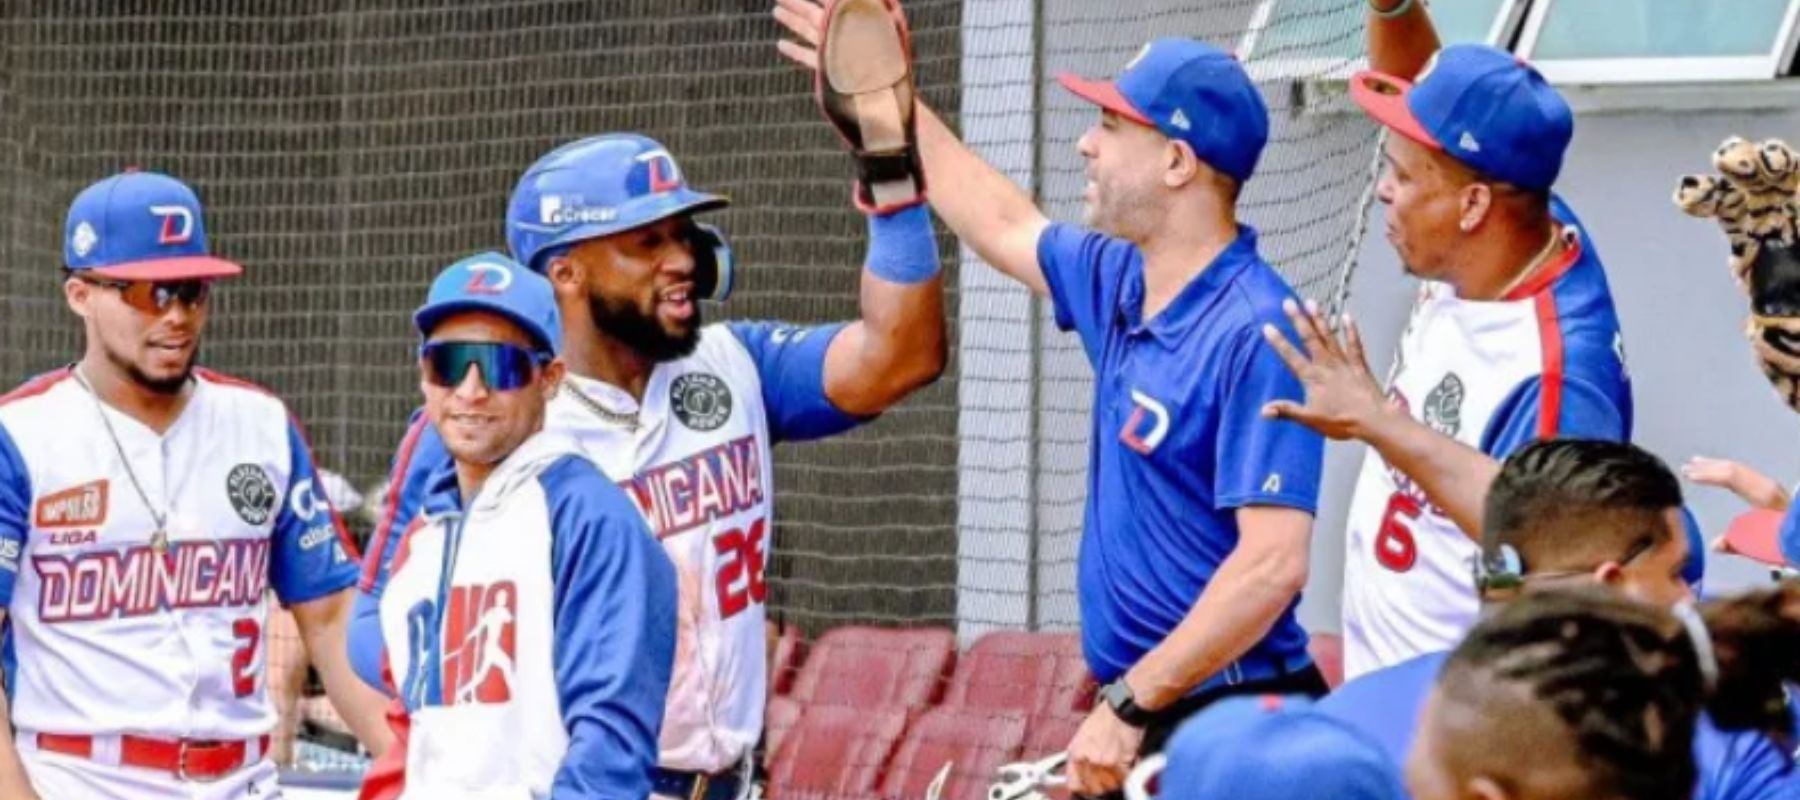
(609, 184)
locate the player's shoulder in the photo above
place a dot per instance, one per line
(240, 395)
(40, 395)
(574, 484)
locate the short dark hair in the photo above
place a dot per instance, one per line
(1568, 503)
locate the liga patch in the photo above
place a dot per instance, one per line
(252, 493)
(76, 507)
(701, 400)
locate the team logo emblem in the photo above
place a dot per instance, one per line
(1443, 406)
(488, 277)
(664, 175)
(83, 239)
(252, 493)
(177, 224)
(480, 629)
(700, 400)
(1148, 424)
(77, 507)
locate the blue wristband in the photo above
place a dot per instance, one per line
(902, 247)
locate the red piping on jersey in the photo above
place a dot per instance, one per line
(1538, 289)
(38, 385)
(337, 520)
(408, 447)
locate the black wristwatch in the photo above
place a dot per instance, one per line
(1117, 695)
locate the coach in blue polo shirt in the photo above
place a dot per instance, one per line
(1199, 510)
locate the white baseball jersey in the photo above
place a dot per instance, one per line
(698, 466)
(530, 634)
(108, 633)
(1547, 360)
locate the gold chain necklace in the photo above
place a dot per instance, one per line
(1536, 263)
(159, 541)
(627, 421)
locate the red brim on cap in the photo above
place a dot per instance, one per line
(1104, 94)
(183, 268)
(1755, 535)
(1384, 97)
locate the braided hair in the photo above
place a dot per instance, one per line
(1628, 681)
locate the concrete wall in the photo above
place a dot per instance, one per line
(1696, 388)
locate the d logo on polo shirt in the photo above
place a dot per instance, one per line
(1148, 425)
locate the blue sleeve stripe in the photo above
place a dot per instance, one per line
(409, 446)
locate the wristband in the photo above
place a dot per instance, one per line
(902, 247)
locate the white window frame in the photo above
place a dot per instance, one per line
(1506, 20)
(1659, 69)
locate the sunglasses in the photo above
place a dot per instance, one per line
(155, 297)
(1500, 576)
(503, 367)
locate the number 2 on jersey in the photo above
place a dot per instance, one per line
(243, 679)
(740, 577)
(1395, 546)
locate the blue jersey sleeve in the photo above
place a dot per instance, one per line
(790, 359)
(613, 590)
(312, 553)
(1583, 411)
(15, 519)
(1084, 270)
(420, 454)
(1742, 766)
(1264, 461)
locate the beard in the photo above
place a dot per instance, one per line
(163, 386)
(623, 321)
(1120, 211)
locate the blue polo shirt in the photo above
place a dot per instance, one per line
(1178, 441)
(1386, 705)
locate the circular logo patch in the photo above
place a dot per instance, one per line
(252, 493)
(700, 400)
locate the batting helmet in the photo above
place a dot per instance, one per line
(609, 184)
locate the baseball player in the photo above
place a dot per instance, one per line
(1569, 511)
(145, 505)
(683, 415)
(1199, 511)
(1513, 337)
(528, 613)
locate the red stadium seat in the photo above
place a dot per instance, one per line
(835, 751)
(863, 667)
(1327, 651)
(780, 717)
(790, 650)
(1024, 672)
(975, 741)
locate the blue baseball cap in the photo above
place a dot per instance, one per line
(1481, 106)
(140, 226)
(494, 283)
(1192, 92)
(1274, 748)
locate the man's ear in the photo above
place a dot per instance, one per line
(566, 275)
(553, 377)
(1610, 574)
(1476, 203)
(79, 294)
(1181, 166)
(1481, 787)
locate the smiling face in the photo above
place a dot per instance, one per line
(481, 426)
(640, 286)
(154, 349)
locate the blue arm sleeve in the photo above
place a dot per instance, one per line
(614, 628)
(312, 553)
(15, 519)
(1790, 535)
(1742, 766)
(790, 360)
(1083, 269)
(1263, 461)
(421, 452)
(1585, 412)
